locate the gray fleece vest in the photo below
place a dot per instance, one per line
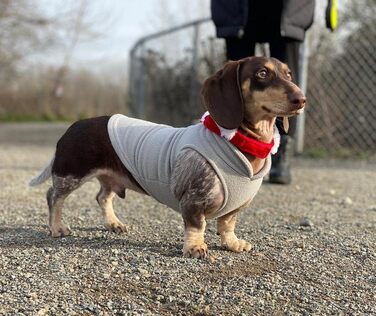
(149, 152)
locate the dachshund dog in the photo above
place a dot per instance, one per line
(205, 171)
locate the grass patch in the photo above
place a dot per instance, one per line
(21, 118)
(341, 153)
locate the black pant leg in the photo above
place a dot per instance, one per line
(287, 51)
(238, 48)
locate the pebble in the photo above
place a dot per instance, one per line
(305, 222)
(143, 272)
(43, 311)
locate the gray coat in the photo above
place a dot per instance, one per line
(262, 19)
(149, 152)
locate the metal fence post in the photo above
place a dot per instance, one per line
(193, 90)
(141, 84)
(303, 73)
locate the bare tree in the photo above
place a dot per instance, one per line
(57, 89)
(23, 30)
(30, 33)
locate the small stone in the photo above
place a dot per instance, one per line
(300, 246)
(143, 271)
(332, 192)
(90, 307)
(43, 311)
(305, 222)
(106, 275)
(347, 201)
(32, 296)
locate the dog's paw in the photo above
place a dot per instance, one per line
(116, 227)
(196, 251)
(60, 231)
(237, 245)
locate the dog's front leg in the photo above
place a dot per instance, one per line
(199, 191)
(194, 244)
(226, 229)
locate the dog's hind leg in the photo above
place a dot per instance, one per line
(56, 196)
(104, 199)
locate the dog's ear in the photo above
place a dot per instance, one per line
(223, 97)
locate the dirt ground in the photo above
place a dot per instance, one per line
(314, 246)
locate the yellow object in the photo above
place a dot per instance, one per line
(331, 15)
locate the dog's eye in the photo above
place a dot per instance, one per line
(262, 74)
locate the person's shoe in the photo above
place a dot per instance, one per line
(280, 171)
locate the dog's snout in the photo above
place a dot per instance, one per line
(298, 99)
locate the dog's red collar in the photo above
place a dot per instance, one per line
(244, 143)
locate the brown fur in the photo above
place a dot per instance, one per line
(246, 94)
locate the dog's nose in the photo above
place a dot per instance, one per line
(298, 99)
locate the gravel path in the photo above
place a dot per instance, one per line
(314, 246)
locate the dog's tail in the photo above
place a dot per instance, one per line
(44, 174)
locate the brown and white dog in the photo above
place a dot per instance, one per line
(246, 95)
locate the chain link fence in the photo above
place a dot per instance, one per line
(341, 116)
(168, 68)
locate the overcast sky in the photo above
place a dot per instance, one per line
(120, 23)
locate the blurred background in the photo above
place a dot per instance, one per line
(65, 60)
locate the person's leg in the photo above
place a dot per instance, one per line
(238, 48)
(286, 51)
